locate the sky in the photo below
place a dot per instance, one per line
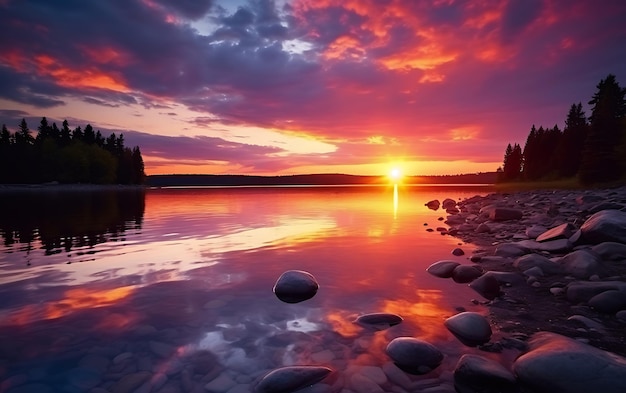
(308, 86)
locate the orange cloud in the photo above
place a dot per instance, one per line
(87, 78)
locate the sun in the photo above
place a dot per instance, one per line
(395, 175)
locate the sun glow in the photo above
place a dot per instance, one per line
(395, 175)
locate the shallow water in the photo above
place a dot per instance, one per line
(168, 289)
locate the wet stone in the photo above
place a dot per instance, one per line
(288, 379)
(466, 273)
(469, 327)
(413, 355)
(442, 269)
(379, 321)
(294, 286)
(458, 252)
(477, 373)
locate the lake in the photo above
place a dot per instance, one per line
(170, 290)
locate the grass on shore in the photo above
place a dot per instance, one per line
(571, 183)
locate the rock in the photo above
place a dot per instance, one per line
(442, 269)
(466, 273)
(413, 355)
(84, 378)
(556, 363)
(553, 246)
(432, 205)
(458, 252)
(505, 214)
(294, 286)
(605, 226)
(583, 291)
(609, 302)
(291, 378)
(448, 203)
(534, 231)
(475, 373)
(581, 263)
(396, 375)
(563, 231)
(610, 251)
(161, 349)
(529, 261)
(483, 228)
(470, 328)
(379, 321)
(587, 322)
(621, 316)
(511, 250)
(487, 286)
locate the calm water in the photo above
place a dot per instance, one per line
(167, 289)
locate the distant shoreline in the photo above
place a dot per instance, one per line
(4, 188)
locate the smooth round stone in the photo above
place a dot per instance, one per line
(475, 373)
(487, 286)
(609, 302)
(294, 286)
(458, 252)
(605, 226)
(379, 321)
(470, 328)
(466, 273)
(413, 355)
(292, 378)
(442, 269)
(557, 363)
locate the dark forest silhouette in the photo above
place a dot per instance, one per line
(67, 156)
(593, 150)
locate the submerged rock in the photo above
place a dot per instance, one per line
(294, 286)
(292, 378)
(556, 363)
(470, 328)
(379, 321)
(413, 355)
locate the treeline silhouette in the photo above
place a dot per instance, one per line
(591, 149)
(67, 156)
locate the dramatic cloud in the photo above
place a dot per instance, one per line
(428, 81)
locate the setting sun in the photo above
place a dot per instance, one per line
(395, 174)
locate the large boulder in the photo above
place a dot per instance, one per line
(470, 328)
(294, 286)
(474, 373)
(413, 355)
(582, 264)
(556, 363)
(289, 379)
(609, 302)
(605, 226)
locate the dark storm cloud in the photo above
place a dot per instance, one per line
(29, 89)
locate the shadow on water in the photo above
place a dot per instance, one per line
(63, 221)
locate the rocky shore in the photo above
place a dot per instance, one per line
(551, 268)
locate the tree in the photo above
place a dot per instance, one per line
(600, 161)
(570, 148)
(66, 134)
(512, 165)
(23, 136)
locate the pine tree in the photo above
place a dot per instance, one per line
(600, 161)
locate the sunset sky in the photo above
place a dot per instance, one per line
(308, 86)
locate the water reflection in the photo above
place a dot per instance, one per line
(63, 221)
(183, 291)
